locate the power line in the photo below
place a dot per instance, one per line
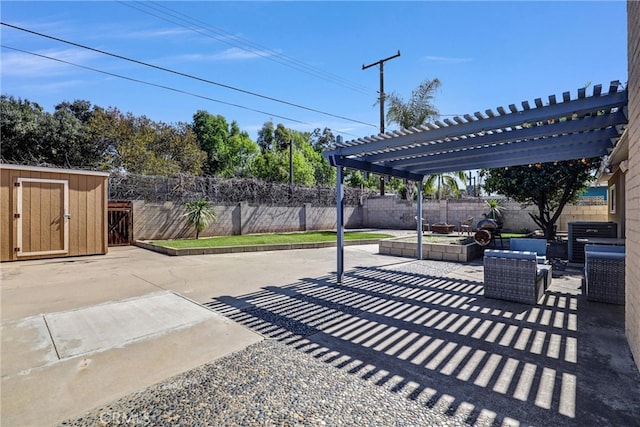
(179, 73)
(240, 42)
(163, 87)
(152, 84)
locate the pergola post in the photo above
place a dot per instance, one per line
(419, 221)
(340, 222)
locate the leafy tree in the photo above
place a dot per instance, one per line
(272, 164)
(321, 139)
(199, 214)
(177, 144)
(78, 134)
(548, 186)
(19, 127)
(111, 128)
(141, 145)
(239, 152)
(418, 110)
(31, 135)
(229, 150)
(356, 179)
(266, 137)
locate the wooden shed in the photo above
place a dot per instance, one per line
(49, 213)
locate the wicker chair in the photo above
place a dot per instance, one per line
(515, 276)
(604, 273)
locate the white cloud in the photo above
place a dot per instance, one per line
(168, 32)
(446, 59)
(19, 64)
(232, 54)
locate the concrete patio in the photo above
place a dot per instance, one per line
(562, 362)
(421, 329)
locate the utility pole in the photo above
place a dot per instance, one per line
(291, 169)
(381, 64)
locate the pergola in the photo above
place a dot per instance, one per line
(583, 127)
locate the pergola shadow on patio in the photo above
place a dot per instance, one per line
(424, 330)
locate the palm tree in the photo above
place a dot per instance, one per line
(444, 183)
(416, 111)
(200, 214)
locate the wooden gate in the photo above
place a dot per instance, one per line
(120, 223)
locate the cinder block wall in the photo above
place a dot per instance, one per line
(166, 221)
(389, 212)
(632, 209)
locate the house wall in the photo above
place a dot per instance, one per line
(632, 208)
(87, 206)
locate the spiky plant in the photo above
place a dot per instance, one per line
(199, 214)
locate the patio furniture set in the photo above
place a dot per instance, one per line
(443, 228)
(523, 273)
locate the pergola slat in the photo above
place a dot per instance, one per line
(560, 128)
(509, 122)
(597, 90)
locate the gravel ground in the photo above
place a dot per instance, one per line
(282, 382)
(270, 384)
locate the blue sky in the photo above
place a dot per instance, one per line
(486, 54)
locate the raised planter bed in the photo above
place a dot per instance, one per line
(439, 251)
(249, 248)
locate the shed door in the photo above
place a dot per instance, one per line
(42, 216)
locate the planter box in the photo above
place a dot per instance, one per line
(434, 251)
(443, 228)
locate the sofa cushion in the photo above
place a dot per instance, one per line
(510, 254)
(605, 255)
(603, 248)
(538, 246)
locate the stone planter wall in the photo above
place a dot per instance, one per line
(433, 251)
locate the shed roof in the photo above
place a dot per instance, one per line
(582, 127)
(52, 170)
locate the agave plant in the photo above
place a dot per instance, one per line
(495, 209)
(199, 214)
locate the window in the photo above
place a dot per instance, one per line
(612, 199)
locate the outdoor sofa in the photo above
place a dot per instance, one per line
(515, 276)
(604, 273)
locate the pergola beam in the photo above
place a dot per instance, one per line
(374, 168)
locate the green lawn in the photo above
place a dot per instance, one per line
(509, 235)
(266, 239)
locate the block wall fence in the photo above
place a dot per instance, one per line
(388, 212)
(166, 220)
